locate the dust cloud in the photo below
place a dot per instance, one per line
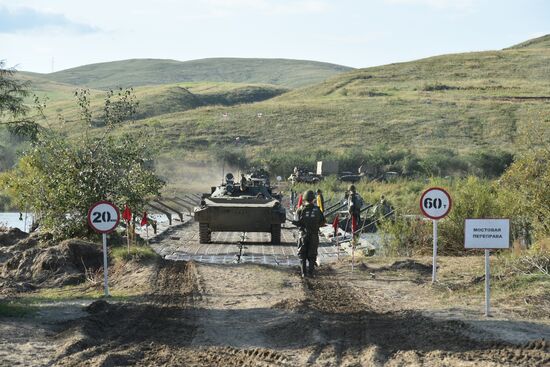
(186, 176)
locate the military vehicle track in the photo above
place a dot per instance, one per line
(182, 243)
(190, 318)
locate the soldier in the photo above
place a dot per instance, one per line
(310, 218)
(244, 183)
(383, 209)
(354, 207)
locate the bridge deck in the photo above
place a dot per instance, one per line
(183, 244)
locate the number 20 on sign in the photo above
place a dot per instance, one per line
(103, 217)
(435, 203)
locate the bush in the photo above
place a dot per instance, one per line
(406, 236)
(59, 179)
(136, 253)
(489, 164)
(525, 189)
(472, 197)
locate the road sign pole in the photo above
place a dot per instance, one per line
(105, 270)
(487, 283)
(434, 260)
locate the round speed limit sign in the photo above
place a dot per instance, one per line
(103, 217)
(435, 203)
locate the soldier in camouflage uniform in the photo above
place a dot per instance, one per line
(355, 202)
(310, 218)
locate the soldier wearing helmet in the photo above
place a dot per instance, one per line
(310, 218)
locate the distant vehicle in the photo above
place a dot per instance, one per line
(246, 206)
(351, 177)
(300, 175)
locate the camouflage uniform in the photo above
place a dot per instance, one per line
(310, 218)
(354, 205)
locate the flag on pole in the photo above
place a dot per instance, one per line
(353, 224)
(300, 201)
(127, 213)
(336, 224)
(144, 219)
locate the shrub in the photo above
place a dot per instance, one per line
(489, 164)
(136, 253)
(406, 236)
(472, 198)
(59, 179)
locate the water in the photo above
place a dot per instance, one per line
(12, 220)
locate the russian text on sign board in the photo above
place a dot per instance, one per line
(487, 233)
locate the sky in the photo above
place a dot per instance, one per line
(44, 36)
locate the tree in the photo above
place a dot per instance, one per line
(14, 112)
(525, 189)
(60, 178)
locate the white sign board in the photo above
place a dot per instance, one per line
(487, 233)
(435, 203)
(103, 217)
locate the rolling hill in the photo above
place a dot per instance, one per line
(460, 103)
(539, 42)
(454, 104)
(139, 72)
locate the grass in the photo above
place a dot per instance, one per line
(136, 253)
(75, 293)
(463, 103)
(155, 100)
(461, 278)
(138, 72)
(485, 109)
(15, 309)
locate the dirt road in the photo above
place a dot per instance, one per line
(197, 314)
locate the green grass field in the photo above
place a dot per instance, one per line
(460, 102)
(139, 72)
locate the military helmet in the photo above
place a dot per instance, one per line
(351, 188)
(309, 195)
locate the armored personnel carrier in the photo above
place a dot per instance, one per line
(246, 206)
(300, 175)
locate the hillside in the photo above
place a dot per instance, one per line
(160, 100)
(139, 72)
(440, 106)
(462, 102)
(539, 42)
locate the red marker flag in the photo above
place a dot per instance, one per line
(300, 201)
(353, 224)
(127, 214)
(336, 224)
(144, 219)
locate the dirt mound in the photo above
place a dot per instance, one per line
(123, 334)
(63, 264)
(9, 287)
(11, 236)
(408, 265)
(343, 327)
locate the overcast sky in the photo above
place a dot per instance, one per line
(356, 33)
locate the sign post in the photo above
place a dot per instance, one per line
(103, 217)
(435, 203)
(487, 234)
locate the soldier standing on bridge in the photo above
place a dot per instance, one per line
(354, 208)
(310, 218)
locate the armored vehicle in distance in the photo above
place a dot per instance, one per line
(246, 206)
(301, 175)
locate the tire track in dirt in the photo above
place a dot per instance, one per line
(349, 330)
(125, 333)
(213, 315)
